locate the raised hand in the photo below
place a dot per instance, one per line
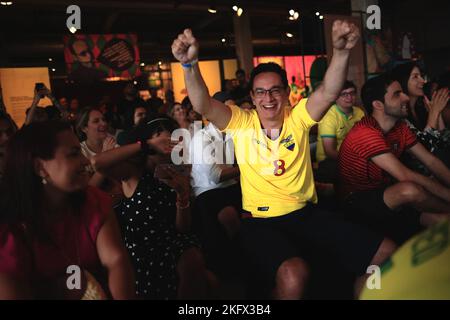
(438, 101)
(185, 47)
(345, 35)
(109, 143)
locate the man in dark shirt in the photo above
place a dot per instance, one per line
(376, 189)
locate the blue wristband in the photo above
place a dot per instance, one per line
(190, 64)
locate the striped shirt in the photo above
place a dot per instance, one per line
(366, 140)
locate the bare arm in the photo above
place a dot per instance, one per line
(30, 116)
(436, 166)
(185, 49)
(330, 148)
(229, 173)
(114, 258)
(345, 35)
(112, 163)
(389, 163)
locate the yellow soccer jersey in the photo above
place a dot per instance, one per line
(335, 124)
(276, 175)
(420, 269)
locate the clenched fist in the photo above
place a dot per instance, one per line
(344, 35)
(185, 47)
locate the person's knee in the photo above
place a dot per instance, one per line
(228, 216)
(410, 192)
(191, 261)
(293, 271)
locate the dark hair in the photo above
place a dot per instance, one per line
(129, 115)
(269, 67)
(375, 89)
(82, 122)
(402, 73)
(7, 118)
(22, 193)
(146, 130)
(348, 84)
(239, 71)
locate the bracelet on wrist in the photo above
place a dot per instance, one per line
(189, 64)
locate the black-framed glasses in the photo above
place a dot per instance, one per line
(274, 92)
(350, 94)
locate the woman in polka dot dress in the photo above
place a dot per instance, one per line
(155, 215)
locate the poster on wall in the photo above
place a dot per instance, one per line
(18, 90)
(91, 58)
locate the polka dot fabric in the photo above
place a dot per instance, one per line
(148, 225)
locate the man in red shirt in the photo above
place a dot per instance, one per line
(375, 188)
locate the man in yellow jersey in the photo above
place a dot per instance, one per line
(418, 270)
(333, 128)
(272, 150)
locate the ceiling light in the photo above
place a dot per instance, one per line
(291, 18)
(317, 13)
(142, 64)
(240, 11)
(289, 35)
(224, 40)
(321, 17)
(135, 82)
(159, 63)
(6, 3)
(53, 69)
(212, 10)
(235, 8)
(73, 29)
(296, 15)
(50, 59)
(291, 12)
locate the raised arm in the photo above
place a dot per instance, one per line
(344, 36)
(185, 49)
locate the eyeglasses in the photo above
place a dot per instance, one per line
(274, 92)
(348, 94)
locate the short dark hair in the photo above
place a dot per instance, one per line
(349, 84)
(375, 89)
(269, 67)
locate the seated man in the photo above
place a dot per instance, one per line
(332, 130)
(376, 189)
(282, 227)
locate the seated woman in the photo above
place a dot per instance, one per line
(155, 214)
(92, 131)
(53, 222)
(425, 117)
